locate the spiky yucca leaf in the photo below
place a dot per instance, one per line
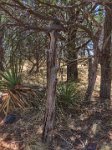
(18, 95)
(68, 95)
(9, 79)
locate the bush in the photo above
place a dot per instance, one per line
(14, 93)
(68, 96)
(10, 79)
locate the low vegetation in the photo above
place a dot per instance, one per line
(55, 74)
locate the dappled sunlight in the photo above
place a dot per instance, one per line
(25, 133)
(39, 130)
(55, 75)
(9, 144)
(71, 125)
(75, 133)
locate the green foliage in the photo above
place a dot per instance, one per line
(9, 79)
(14, 93)
(68, 95)
(99, 16)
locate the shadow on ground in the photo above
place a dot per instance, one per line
(90, 130)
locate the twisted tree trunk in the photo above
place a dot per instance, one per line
(51, 88)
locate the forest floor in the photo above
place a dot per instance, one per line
(75, 132)
(90, 128)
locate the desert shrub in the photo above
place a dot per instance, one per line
(14, 93)
(68, 96)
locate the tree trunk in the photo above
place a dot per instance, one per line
(37, 61)
(72, 68)
(91, 80)
(72, 64)
(51, 89)
(106, 68)
(92, 72)
(1, 53)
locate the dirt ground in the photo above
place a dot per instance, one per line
(93, 128)
(90, 128)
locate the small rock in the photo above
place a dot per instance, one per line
(9, 119)
(91, 146)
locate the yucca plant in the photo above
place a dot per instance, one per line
(10, 79)
(14, 93)
(68, 95)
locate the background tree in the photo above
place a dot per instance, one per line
(1, 45)
(26, 39)
(105, 86)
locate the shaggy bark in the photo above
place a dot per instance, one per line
(51, 88)
(92, 74)
(1, 53)
(72, 68)
(106, 68)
